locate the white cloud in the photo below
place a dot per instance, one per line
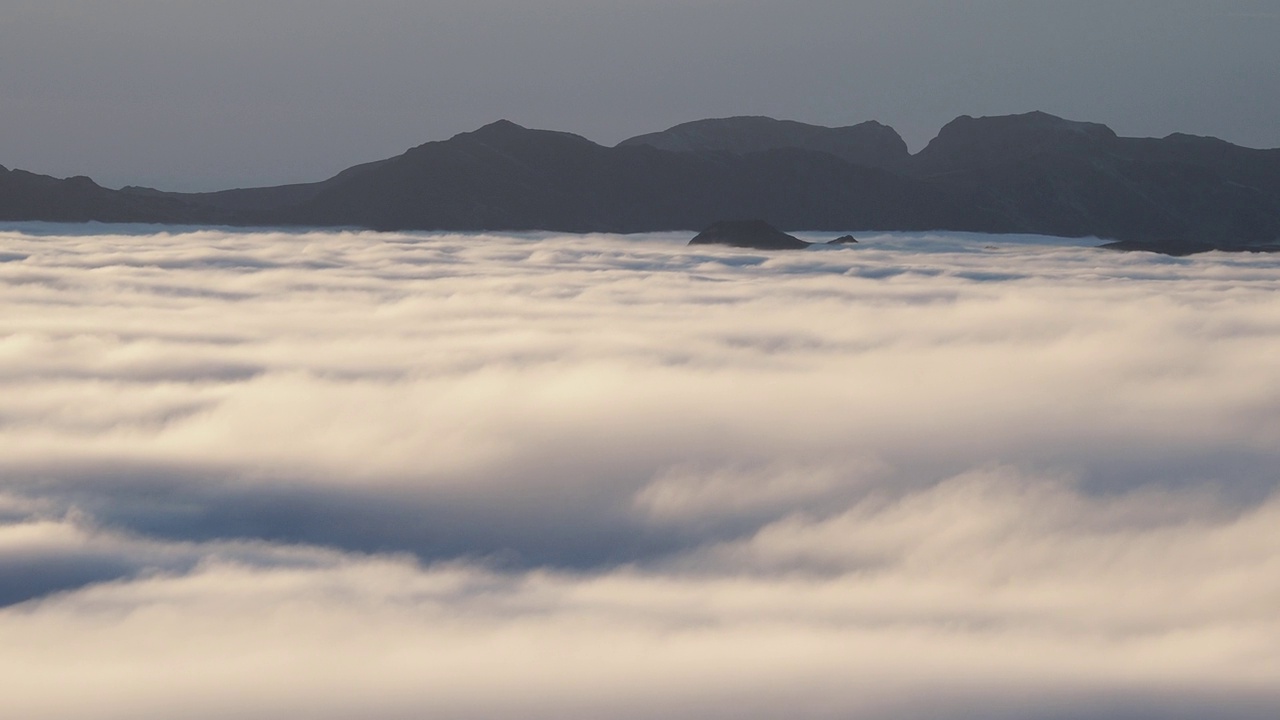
(266, 474)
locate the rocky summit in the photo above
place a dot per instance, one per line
(753, 234)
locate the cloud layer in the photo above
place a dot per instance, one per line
(267, 474)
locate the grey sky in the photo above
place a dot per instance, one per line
(192, 94)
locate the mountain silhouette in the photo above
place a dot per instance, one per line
(1030, 173)
(28, 196)
(870, 143)
(506, 177)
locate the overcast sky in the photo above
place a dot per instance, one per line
(192, 94)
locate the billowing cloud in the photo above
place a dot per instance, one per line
(264, 474)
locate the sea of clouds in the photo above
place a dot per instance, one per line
(352, 475)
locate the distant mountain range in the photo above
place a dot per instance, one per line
(1031, 173)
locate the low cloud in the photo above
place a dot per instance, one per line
(357, 474)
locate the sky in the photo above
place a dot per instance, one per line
(197, 95)
(263, 474)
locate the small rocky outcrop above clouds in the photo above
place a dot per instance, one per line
(844, 240)
(753, 234)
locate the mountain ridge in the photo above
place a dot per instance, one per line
(870, 143)
(1033, 172)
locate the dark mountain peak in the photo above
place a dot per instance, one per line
(874, 126)
(753, 234)
(498, 131)
(869, 143)
(733, 134)
(499, 127)
(506, 134)
(141, 190)
(1034, 121)
(1197, 141)
(81, 182)
(968, 142)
